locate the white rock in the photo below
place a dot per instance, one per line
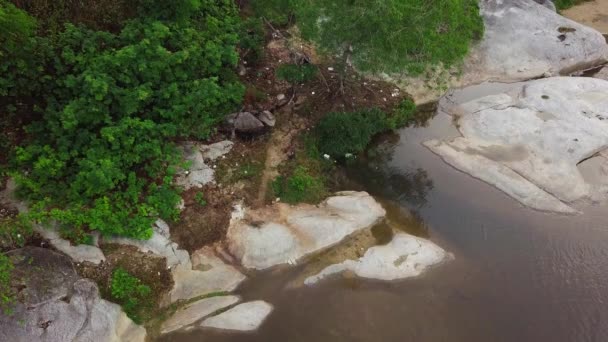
(197, 311)
(522, 41)
(216, 150)
(404, 257)
(208, 274)
(282, 233)
(528, 142)
(78, 253)
(243, 317)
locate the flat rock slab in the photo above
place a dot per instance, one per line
(522, 40)
(527, 142)
(197, 311)
(282, 234)
(404, 257)
(243, 317)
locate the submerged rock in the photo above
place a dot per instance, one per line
(283, 234)
(522, 40)
(243, 317)
(58, 306)
(197, 311)
(404, 257)
(528, 142)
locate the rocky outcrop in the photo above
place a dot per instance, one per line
(203, 274)
(55, 305)
(283, 234)
(243, 317)
(249, 122)
(196, 311)
(199, 173)
(523, 40)
(404, 257)
(528, 142)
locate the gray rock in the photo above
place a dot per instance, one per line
(404, 257)
(523, 40)
(78, 253)
(283, 234)
(243, 317)
(246, 122)
(199, 173)
(197, 311)
(78, 315)
(602, 74)
(529, 141)
(267, 118)
(217, 150)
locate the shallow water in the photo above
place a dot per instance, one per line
(518, 274)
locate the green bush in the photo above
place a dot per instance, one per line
(6, 293)
(130, 293)
(386, 35)
(402, 114)
(294, 73)
(300, 186)
(342, 133)
(97, 156)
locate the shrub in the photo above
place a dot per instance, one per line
(14, 232)
(200, 199)
(6, 293)
(294, 73)
(386, 35)
(130, 293)
(402, 114)
(342, 133)
(300, 186)
(99, 156)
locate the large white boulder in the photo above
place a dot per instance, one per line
(283, 234)
(523, 40)
(404, 257)
(528, 142)
(243, 317)
(57, 306)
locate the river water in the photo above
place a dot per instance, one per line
(518, 274)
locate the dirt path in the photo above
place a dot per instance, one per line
(277, 152)
(592, 13)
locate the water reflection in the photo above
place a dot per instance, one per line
(374, 172)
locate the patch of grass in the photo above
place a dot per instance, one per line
(385, 36)
(131, 294)
(15, 232)
(247, 171)
(7, 297)
(565, 4)
(296, 74)
(200, 199)
(300, 186)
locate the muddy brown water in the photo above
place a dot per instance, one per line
(518, 274)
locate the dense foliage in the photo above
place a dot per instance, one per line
(385, 35)
(294, 73)
(129, 292)
(343, 133)
(99, 154)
